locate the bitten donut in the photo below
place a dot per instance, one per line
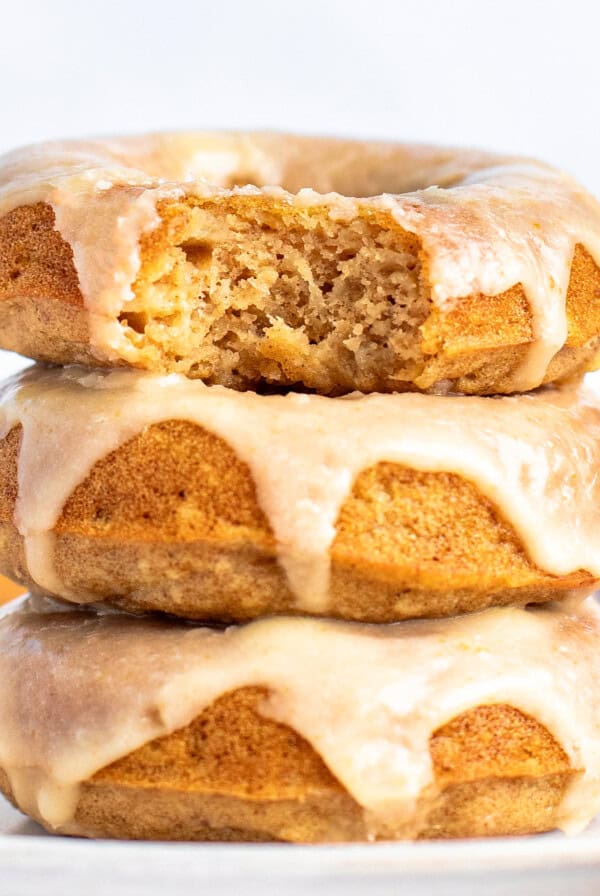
(260, 260)
(301, 729)
(162, 493)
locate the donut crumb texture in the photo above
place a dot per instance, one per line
(261, 295)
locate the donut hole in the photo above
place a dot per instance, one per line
(243, 179)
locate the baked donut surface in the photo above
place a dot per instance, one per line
(233, 775)
(206, 503)
(193, 541)
(433, 730)
(263, 259)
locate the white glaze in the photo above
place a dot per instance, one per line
(367, 698)
(536, 457)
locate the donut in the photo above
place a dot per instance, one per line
(300, 729)
(269, 261)
(160, 493)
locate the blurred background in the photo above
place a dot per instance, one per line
(518, 75)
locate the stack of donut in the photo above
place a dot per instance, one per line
(305, 486)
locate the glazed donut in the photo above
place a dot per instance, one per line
(301, 729)
(255, 260)
(162, 493)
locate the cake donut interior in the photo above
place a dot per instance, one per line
(305, 488)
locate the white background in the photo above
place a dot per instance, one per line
(514, 76)
(517, 76)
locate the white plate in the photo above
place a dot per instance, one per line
(35, 864)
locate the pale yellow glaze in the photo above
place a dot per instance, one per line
(537, 457)
(485, 222)
(78, 691)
